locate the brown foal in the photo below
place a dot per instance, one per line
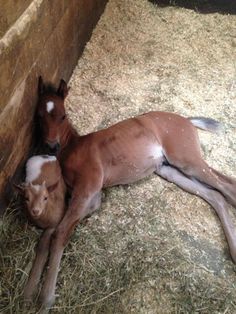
(160, 142)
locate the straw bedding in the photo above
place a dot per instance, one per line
(152, 248)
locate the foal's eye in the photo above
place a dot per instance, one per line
(45, 198)
(63, 117)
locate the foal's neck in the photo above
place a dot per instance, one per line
(68, 136)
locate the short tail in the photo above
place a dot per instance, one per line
(206, 124)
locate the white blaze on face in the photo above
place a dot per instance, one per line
(34, 165)
(50, 106)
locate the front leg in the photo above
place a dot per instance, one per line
(78, 209)
(38, 264)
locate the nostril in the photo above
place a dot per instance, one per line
(52, 145)
(51, 148)
(35, 212)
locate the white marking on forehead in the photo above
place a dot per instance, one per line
(34, 165)
(50, 106)
(156, 151)
(36, 187)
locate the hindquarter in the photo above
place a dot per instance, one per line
(177, 137)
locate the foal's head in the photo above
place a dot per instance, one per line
(51, 114)
(36, 197)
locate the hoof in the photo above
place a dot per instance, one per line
(46, 302)
(28, 296)
(233, 255)
(27, 305)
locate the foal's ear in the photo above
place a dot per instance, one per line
(41, 87)
(19, 188)
(52, 187)
(63, 89)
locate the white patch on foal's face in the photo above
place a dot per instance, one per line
(36, 187)
(34, 165)
(50, 106)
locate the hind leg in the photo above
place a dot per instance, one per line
(185, 155)
(214, 198)
(209, 176)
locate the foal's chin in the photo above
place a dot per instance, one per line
(51, 150)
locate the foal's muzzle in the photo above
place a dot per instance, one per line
(35, 212)
(52, 147)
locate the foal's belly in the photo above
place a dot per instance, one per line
(133, 164)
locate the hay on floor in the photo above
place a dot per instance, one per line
(152, 248)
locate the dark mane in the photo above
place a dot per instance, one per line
(49, 89)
